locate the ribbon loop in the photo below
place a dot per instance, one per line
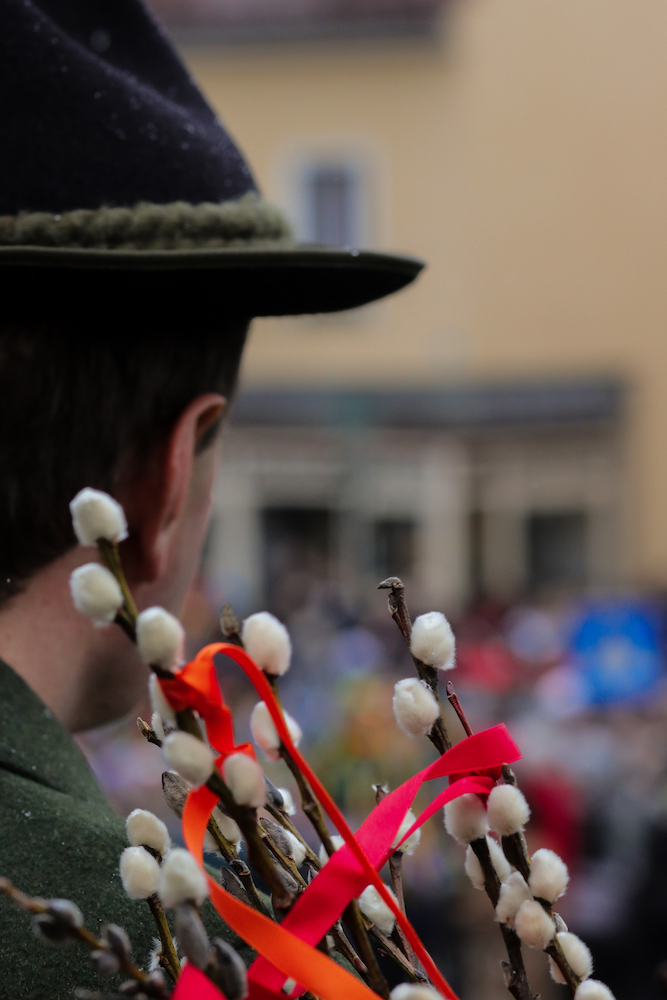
(287, 949)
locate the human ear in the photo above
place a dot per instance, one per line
(156, 496)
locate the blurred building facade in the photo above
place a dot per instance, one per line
(498, 428)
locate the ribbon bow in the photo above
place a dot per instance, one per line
(287, 950)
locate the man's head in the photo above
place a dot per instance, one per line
(131, 411)
(93, 407)
(123, 193)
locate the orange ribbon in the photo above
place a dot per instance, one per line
(195, 686)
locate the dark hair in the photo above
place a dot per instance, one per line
(77, 405)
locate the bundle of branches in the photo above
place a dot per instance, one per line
(327, 911)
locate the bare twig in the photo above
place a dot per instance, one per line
(41, 906)
(148, 732)
(385, 944)
(398, 609)
(516, 978)
(453, 700)
(343, 946)
(230, 626)
(170, 959)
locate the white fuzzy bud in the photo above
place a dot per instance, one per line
(410, 845)
(297, 850)
(432, 641)
(337, 842)
(500, 863)
(159, 703)
(578, 957)
(96, 593)
(473, 869)
(411, 991)
(373, 906)
(548, 875)
(288, 801)
(191, 758)
(245, 779)
(97, 515)
(146, 830)
(513, 892)
(228, 828)
(267, 642)
(210, 844)
(181, 879)
(534, 925)
(139, 872)
(160, 638)
(264, 731)
(593, 989)
(465, 818)
(415, 707)
(507, 809)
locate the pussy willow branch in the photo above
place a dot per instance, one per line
(515, 973)
(259, 858)
(343, 946)
(352, 914)
(453, 700)
(230, 854)
(312, 859)
(226, 848)
(516, 978)
(514, 847)
(169, 959)
(392, 951)
(396, 873)
(516, 852)
(34, 905)
(283, 859)
(245, 818)
(230, 626)
(341, 943)
(127, 616)
(398, 609)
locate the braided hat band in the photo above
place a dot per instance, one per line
(249, 221)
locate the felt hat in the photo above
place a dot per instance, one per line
(122, 191)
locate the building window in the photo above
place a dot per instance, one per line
(332, 204)
(557, 550)
(297, 555)
(394, 547)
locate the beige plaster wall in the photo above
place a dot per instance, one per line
(523, 153)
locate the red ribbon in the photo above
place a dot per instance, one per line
(193, 983)
(287, 949)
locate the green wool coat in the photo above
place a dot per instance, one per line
(59, 838)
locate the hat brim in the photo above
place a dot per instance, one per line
(45, 282)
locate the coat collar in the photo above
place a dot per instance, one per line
(35, 746)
